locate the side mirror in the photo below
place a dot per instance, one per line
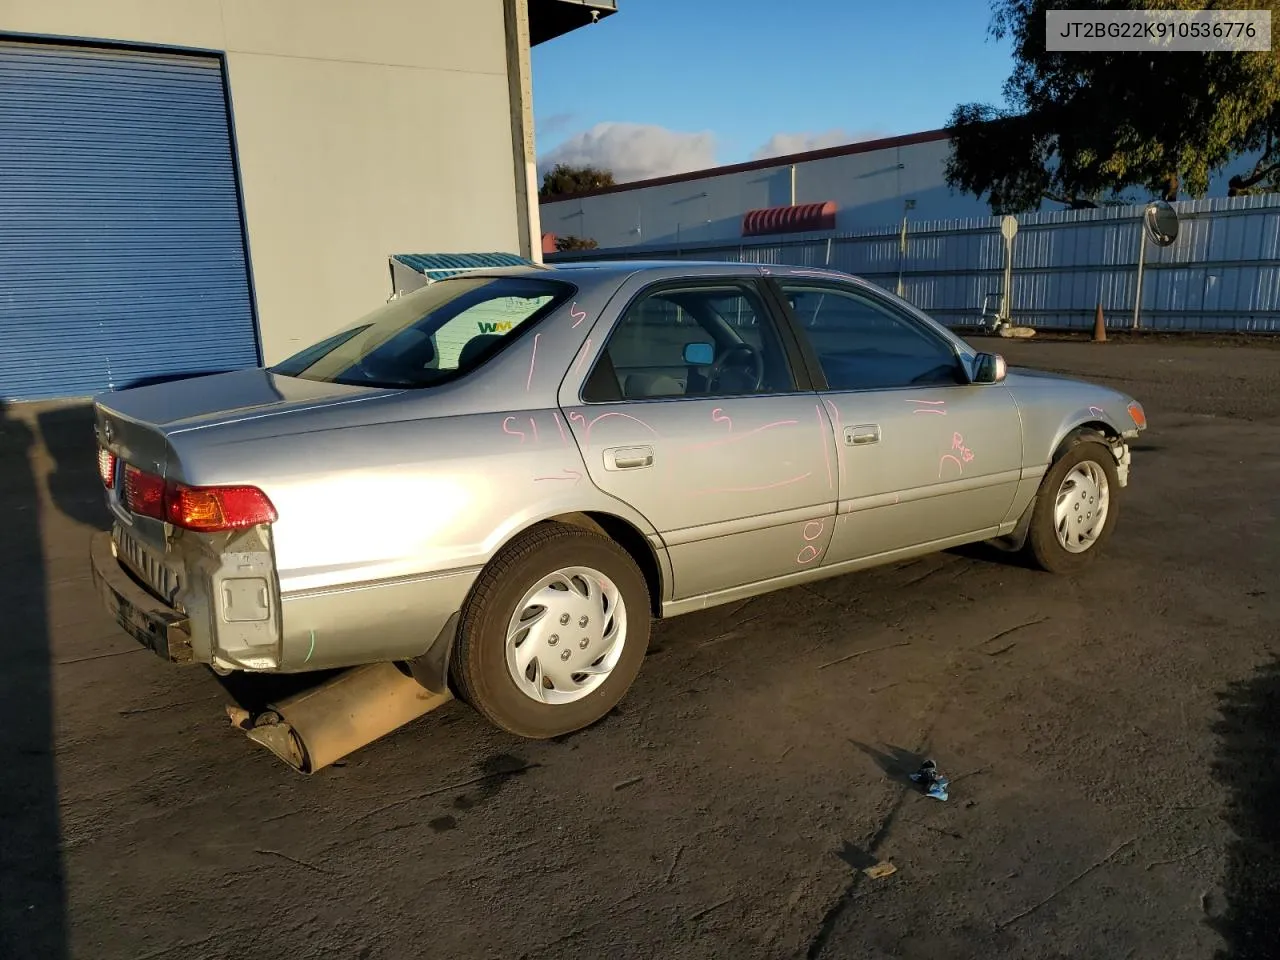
(699, 354)
(989, 368)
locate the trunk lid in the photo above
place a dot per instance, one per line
(134, 426)
(220, 398)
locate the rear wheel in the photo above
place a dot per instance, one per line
(554, 632)
(1075, 509)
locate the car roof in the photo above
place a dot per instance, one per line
(658, 268)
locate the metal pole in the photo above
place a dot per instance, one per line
(1006, 295)
(828, 263)
(793, 184)
(902, 252)
(1142, 261)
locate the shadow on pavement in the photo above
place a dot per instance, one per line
(73, 481)
(1249, 767)
(896, 762)
(32, 896)
(987, 553)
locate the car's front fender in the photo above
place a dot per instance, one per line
(1053, 407)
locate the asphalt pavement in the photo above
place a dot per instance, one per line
(1111, 739)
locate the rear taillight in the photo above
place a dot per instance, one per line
(203, 509)
(107, 467)
(210, 509)
(143, 493)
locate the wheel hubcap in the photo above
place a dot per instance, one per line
(1080, 511)
(566, 635)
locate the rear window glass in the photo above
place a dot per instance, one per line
(442, 331)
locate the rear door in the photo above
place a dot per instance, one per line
(925, 457)
(693, 414)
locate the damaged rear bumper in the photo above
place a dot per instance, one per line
(147, 619)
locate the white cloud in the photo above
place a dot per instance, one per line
(781, 144)
(634, 151)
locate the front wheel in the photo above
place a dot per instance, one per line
(1076, 507)
(554, 632)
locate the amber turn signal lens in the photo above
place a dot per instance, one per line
(1139, 415)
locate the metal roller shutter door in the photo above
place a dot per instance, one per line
(122, 252)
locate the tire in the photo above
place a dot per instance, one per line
(485, 669)
(1085, 453)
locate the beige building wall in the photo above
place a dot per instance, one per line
(364, 128)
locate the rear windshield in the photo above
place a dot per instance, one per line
(431, 335)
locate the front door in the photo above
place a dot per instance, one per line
(692, 415)
(925, 457)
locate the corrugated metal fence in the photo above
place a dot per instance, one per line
(1222, 273)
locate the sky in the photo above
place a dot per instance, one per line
(669, 86)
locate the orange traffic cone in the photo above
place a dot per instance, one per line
(1099, 326)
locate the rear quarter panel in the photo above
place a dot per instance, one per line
(390, 508)
(399, 499)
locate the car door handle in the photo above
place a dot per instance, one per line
(628, 458)
(862, 433)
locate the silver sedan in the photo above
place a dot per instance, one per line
(498, 480)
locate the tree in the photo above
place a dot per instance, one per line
(576, 243)
(1077, 128)
(565, 178)
(1265, 175)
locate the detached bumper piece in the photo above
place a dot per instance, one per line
(1124, 460)
(314, 728)
(151, 622)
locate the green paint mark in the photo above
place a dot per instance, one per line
(313, 647)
